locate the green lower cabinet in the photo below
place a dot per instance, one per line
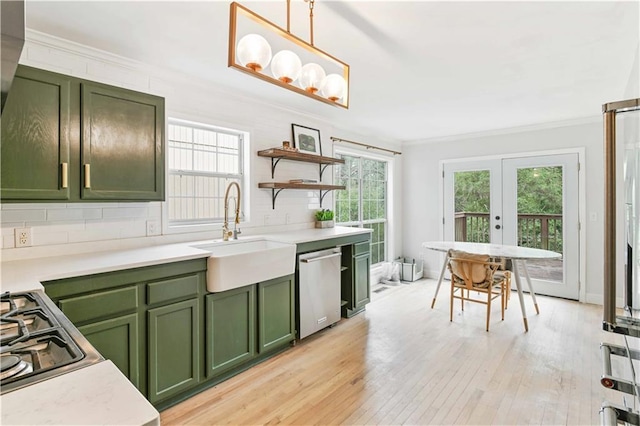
(173, 349)
(230, 328)
(117, 339)
(276, 313)
(356, 289)
(362, 265)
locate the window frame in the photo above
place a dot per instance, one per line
(360, 223)
(203, 225)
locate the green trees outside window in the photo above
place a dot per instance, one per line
(363, 203)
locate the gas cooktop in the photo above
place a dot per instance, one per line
(37, 341)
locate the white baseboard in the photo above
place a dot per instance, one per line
(598, 299)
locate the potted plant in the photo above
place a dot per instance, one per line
(324, 219)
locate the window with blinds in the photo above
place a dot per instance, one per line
(203, 160)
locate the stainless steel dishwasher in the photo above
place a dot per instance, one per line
(319, 290)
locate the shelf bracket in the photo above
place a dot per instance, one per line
(274, 195)
(322, 169)
(274, 163)
(323, 195)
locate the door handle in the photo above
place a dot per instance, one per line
(498, 226)
(315, 259)
(87, 175)
(497, 217)
(65, 175)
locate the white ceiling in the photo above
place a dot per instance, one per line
(419, 70)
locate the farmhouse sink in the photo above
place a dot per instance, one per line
(236, 264)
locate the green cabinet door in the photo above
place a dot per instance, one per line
(276, 313)
(361, 266)
(355, 287)
(173, 349)
(230, 328)
(35, 137)
(121, 139)
(117, 339)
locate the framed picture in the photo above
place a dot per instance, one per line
(306, 139)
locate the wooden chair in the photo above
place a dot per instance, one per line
(475, 273)
(504, 270)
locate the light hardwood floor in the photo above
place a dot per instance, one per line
(401, 362)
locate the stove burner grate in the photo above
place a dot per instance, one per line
(13, 365)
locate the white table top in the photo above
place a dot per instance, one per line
(493, 250)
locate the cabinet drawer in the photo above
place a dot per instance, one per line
(173, 289)
(104, 304)
(361, 248)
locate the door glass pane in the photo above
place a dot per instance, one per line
(472, 202)
(540, 218)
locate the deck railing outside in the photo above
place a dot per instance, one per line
(543, 231)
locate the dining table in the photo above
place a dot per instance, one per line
(518, 256)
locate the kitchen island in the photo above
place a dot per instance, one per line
(29, 274)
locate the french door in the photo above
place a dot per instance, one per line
(525, 201)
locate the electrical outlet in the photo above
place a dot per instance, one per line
(23, 237)
(153, 228)
(287, 219)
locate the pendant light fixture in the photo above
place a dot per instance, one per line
(319, 76)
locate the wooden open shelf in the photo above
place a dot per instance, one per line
(277, 154)
(289, 185)
(298, 156)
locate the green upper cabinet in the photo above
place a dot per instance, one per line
(35, 137)
(69, 139)
(122, 151)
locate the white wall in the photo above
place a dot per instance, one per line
(79, 226)
(422, 214)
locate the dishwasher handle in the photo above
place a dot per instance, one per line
(315, 259)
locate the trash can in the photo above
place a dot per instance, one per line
(410, 268)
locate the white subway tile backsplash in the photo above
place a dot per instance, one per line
(73, 214)
(125, 212)
(23, 215)
(49, 238)
(62, 226)
(8, 241)
(136, 228)
(7, 227)
(113, 223)
(93, 235)
(33, 206)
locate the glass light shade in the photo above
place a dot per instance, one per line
(254, 52)
(285, 66)
(311, 75)
(333, 87)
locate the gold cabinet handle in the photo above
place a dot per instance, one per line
(87, 175)
(65, 175)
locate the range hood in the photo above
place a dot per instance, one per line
(12, 35)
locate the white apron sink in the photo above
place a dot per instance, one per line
(234, 264)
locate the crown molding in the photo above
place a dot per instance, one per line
(508, 130)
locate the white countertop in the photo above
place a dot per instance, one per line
(95, 395)
(101, 394)
(26, 275)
